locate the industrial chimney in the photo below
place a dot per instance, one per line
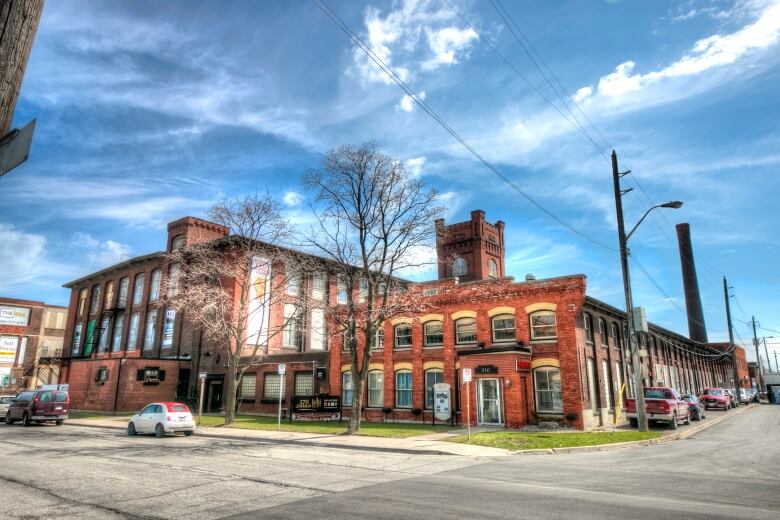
(696, 329)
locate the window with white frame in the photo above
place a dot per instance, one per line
(138, 288)
(173, 280)
(103, 342)
(460, 267)
(178, 242)
(154, 287)
(319, 286)
(403, 335)
(433, 334)
(248, 386)
(492, 269)
(341, 297)
(346, 388)
(291, 336)
(132, 334)
(82, 301)
(543, 326)
(403, 389)
(363, 290)
(615, 335)
(379, 339)
(549, 398)
(503, 328)
(432, 377)
(304, 383)
(465, 331)
(271, 386)
(293, 283)
(588, 323)
(149, 331)
(110, 295)
(124, 285)
(119, 324)
(95, 301)
(603, 338)
(376, 389)
(317, 337)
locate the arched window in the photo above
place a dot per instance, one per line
(465, 331)
(434, 334)
(460, 267)
(154, 287)
(403, 389)
(543, 325)
(376, 389)
(492, 269)
(588, 324)
(173, 279)
(177, 243)
(95, 301)
(547, 383)
(432, 377)
(110, 295)
(503, 328)
(403, 335)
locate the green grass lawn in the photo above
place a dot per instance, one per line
(530, 441)
(253, 422)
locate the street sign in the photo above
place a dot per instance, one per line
(466, 375)
(441, 401)
(282, 369)
(15, 147)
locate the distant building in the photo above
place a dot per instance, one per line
(30, 333)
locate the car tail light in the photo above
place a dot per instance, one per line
(667, 408)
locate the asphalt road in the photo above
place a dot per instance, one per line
(731, 470)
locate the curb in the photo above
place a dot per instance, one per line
(630, 444)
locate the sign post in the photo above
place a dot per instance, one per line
(467, 380)
(202, 377)
(281, 371)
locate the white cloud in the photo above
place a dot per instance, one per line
(414, 166)
(446, 44)
(583, 93)
(21, 256)
(293, 198)
(99, 254)
(407, 103)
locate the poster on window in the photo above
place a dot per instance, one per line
(170, 319)
(8, 347)
(259, 305)
(19, 316)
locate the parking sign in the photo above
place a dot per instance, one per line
(466, 375)
(282, 369)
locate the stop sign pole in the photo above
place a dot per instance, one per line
(281, 370)
(467, 380)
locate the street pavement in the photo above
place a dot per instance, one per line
(731, 470)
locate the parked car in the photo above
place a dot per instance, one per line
(5, 402)
(662, 404)
(39, 406)
(696, 408)
(716, 398)
(162, 418)
(744, 396)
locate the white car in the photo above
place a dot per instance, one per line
(5, 401)
(162, 418)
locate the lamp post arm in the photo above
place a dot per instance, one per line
(640, 221)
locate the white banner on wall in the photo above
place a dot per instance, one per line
(8, 347)
(19, 316)
(259, 305)
(170, 320)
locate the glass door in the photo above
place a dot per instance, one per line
(489, 397)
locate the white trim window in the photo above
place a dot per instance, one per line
(124, 285)
(317, 338)
(379, 339)
(403, 335)
(465, 331)
(543, 325)
(433, 334)
(103, 342)
(95, 301)
(304, 383)
(138, 288)
(149, 331)
(363, 290)
(403, 389)
(347, 389)
(154, 287)
(603, 338)
(248, 386)
(587, 323)
(119, 325)
(291, 337)
(376, 389)
(460, 267)
(547, 383)
(272, 385)
(174, 271)
(432, 377)
(132, 335)
(293, 283)
(341, 297)
(319, 286)
(503, 327)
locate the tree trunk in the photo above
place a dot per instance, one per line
(230, 392)
(357, 400)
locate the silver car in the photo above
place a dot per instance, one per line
(5, 401)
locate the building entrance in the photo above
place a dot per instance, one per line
(489, 409)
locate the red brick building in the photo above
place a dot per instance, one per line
(537, 349)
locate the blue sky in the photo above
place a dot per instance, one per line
(149, 111)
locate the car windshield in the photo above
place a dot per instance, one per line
(689, 398)
(711, 391)
(178, 408)
(6, 399)
(25, 396)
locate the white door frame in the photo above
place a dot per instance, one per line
(499, 399)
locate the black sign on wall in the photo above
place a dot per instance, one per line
(486, 369)
(322, 373)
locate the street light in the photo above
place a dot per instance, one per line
(641, 415)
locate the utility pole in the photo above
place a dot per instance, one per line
(636, 362)
(758, 354)
(769, 361)
(731, 338)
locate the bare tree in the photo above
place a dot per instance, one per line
(228, 286)
(374, 222)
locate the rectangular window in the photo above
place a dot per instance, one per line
(346, 388)
(304, 383)
(403, 336)
(503, 328)
(248, 386)
(173, 280)
(149, 331)
(403, 389)
(376, 389)
(342, 291)
(379, 339)
(603, 338)
(543, 325)
(291, 337)
(119, 325)
(132, 334)
(102, 375)
(103, 334)
(465, 331)
(168, 327)
(138, 289)
(154, 288)
(271, 386)
(548, 390)
(95, 302)
(124, 285)
(82, 301)
(432, 377)
(363, 292)
(77, 338)
(110, 295)
(319, 286)
(293, 284)
(588, 323)
(317, 336)
(434, 334)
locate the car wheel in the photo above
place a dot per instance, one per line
(131, 429)
(26, 420)
(688, 418)
(188, 434)
(59, 422)
(159, 431)
(8, 419)
(673, 423)
(633, 422)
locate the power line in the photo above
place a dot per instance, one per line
(718, 354)
(336, 19)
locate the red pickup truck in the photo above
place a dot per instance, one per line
(662, 405)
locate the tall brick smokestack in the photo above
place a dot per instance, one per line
(696, 329)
